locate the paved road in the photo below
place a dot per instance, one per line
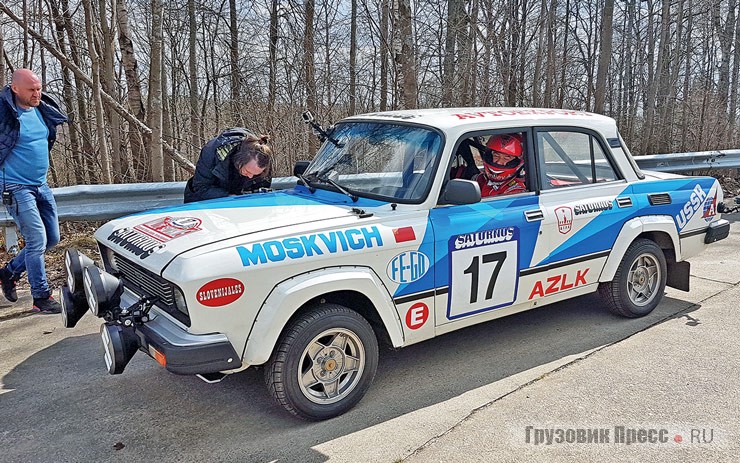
(471, 395)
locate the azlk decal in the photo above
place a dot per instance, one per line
(557, 283)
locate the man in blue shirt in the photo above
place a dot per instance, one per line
(28, 121)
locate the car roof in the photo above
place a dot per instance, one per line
(463, 119)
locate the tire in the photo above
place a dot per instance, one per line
(323, 363)
(639, 283)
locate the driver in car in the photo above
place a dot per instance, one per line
(503, 162)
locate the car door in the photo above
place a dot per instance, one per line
(584, 203)
(479, 250)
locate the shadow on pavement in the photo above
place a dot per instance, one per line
(64, 404)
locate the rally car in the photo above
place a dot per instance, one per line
(386, 237)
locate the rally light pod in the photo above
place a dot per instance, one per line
(74, 263)
(73, 308)
(120, 344)
(102, 290)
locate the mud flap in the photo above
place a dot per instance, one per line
(678, 275)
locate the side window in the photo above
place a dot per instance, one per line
(496, 160)
(569, 158)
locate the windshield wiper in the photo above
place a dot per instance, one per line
(339, 187)
(307, 183)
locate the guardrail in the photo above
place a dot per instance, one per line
(104, 202)
(686, 162)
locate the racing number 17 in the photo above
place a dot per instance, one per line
(474, 271)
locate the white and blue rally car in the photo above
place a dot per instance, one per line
(386, 237)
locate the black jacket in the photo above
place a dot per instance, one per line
(10, 126)
(215, 174)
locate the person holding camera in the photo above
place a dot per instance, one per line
(233, 163)
(28, 122)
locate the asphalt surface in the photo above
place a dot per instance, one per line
(566, 382)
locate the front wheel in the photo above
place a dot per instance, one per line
(639, 282)
(324, 363)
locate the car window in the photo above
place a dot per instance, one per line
(571, 158)
(496, 160)
(393, 162)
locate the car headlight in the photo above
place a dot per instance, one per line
(73, 307)
(120, 344)
(180, 303)
(74, 263)
(102, 290)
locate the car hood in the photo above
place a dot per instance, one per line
(153, 238)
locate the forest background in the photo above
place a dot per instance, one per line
(147, 82)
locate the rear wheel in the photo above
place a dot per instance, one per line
(639, 283)
(324, 363)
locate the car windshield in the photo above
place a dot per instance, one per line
(393, 162)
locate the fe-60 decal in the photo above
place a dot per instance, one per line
(483, 270)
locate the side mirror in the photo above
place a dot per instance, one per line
(459, 191)
(300, 167)
(307, 117)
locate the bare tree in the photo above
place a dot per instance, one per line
(605, 54)
(309, 67)
(103, 153)
(404, 55)
(155, 95)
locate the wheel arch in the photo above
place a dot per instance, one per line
(659, 229)
(290, 298)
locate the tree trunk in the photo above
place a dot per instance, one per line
(76, 172)
(404, 56)
(309, 68)
(103, 153)
(353, 59)
(384, 42)
(605, 54)
(130, 66)
(539, 55)
(155, 95)
(109, 86)
(449, 65)
(734, 88)
(234, 103)
(272, 86)
(193, 77)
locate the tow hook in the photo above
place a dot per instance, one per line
(211, 378)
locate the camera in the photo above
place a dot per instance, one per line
(7, 197)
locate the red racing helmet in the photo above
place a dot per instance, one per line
(509, 144)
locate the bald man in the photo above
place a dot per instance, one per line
(28, 122)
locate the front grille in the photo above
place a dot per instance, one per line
(145, 283)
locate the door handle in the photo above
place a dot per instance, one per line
(534, 215)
